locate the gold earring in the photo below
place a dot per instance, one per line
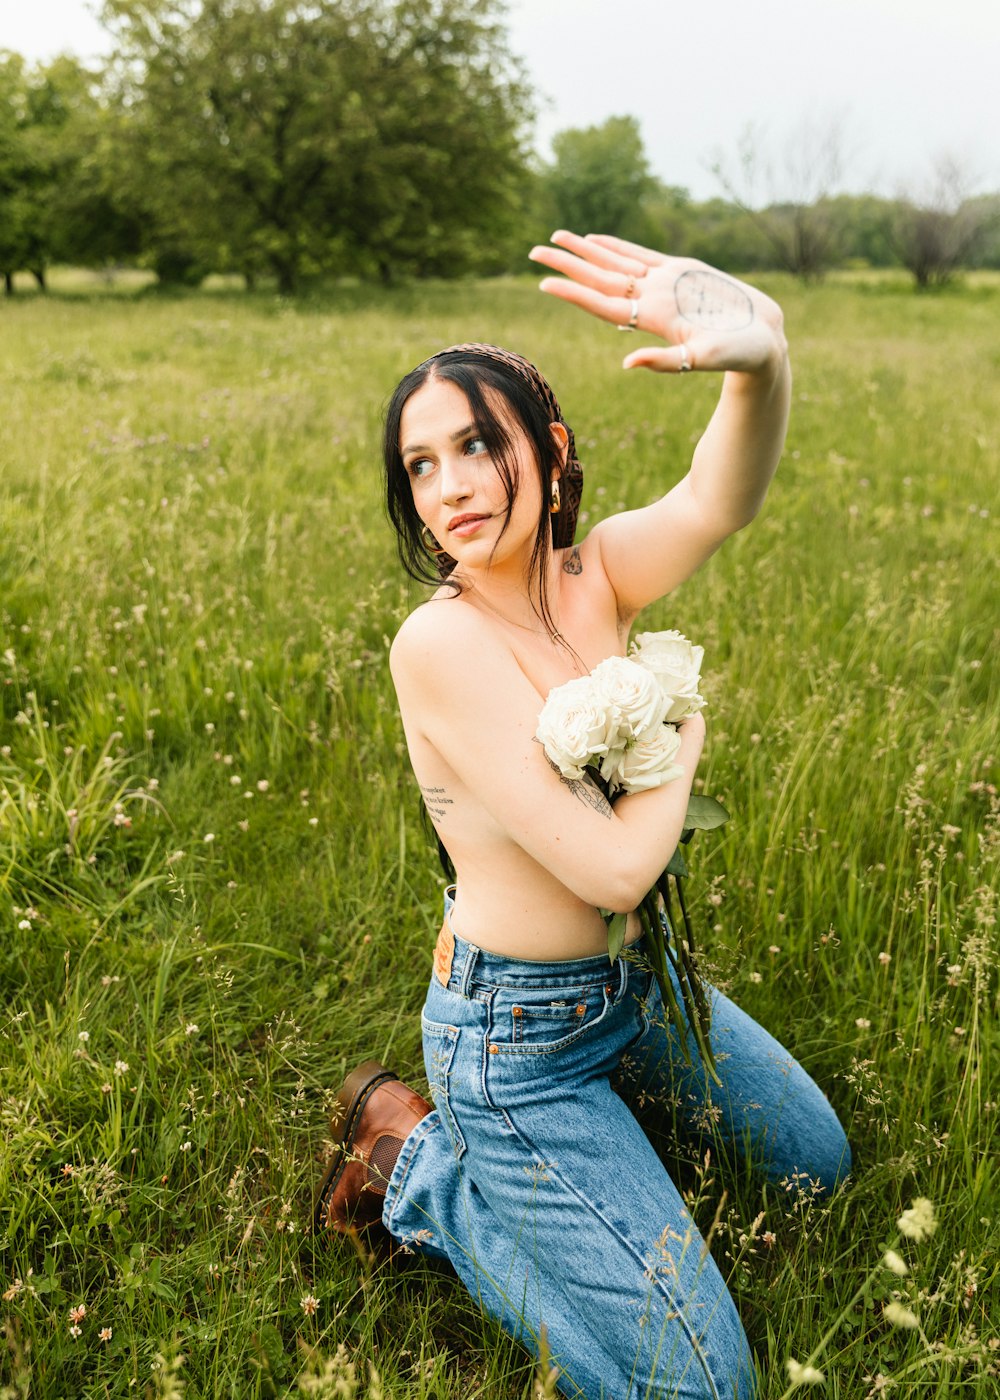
(429, 542)
(555, 500)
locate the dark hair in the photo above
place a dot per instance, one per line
(476, 374)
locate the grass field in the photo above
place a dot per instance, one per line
(216, 893)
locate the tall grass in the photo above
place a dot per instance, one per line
(217, 894)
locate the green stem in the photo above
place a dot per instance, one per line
(699, 1013)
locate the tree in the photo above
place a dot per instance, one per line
(53, 204)
(937, 231)
(789, 197)
(600, 178)
(295, 136)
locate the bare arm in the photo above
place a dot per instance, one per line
(712, 322)
(467, 696)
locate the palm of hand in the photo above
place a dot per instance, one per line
(722, 323)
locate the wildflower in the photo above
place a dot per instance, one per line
(769, 1238)
(309, 1304)
(208, 838)
(191, 1028)
(25, 923)
(185, 1147)
(121, 1067)
(235, 780)
(263, 785)
(77, 1314)
(885, 958)
(104, 1335)
(67, 1169)
(756, 977)
(803, 1375)
(900, 1316)
(83, 1036)
(74, 1331)
(892, 1261)
(314, 821)
(105, 1088)
(918, 1222)
(863, 1023)
(13, 1290)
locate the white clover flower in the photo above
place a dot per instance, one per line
(900, 1316)
(121, 1067)
(918, 1223)
(803, 1375)
(676, 664)
(892, 1261)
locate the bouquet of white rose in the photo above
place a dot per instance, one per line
(619, 726)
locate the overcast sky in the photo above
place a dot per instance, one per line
(906, 80)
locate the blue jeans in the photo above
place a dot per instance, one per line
(533, 1178)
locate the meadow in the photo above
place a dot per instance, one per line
(217, 894)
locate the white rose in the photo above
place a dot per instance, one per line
(574, 726)
(633, 695)
(676, 664)
(649, 763)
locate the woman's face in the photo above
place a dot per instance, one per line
(458, 491)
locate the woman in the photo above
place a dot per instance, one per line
(530, 1174)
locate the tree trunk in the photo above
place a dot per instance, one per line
(38, 273)
(8, 283)
(288, 278)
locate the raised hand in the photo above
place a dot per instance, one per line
(710, 320)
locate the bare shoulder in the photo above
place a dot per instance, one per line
(437, 638)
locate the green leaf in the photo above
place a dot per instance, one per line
(677, 864)
(705, 813)
(616, 935)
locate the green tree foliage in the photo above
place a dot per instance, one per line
(56, 199)
(600, 178)
(300, 136)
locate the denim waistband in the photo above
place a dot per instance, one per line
(471, 964)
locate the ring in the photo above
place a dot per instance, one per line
(686, 364)
(633, 319)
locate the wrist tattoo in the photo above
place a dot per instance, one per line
(573, 564)
(708, 299)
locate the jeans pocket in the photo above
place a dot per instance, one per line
(440, 1044)
(545, 1022)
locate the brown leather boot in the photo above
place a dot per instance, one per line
(375, 1113)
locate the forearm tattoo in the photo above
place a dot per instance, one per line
(573, 564)
(708, 299)
(436, 800)
(585, 790)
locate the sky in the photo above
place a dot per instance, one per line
(904, 82)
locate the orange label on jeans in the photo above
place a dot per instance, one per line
(444, 952)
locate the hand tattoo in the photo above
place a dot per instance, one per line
(708, 299)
